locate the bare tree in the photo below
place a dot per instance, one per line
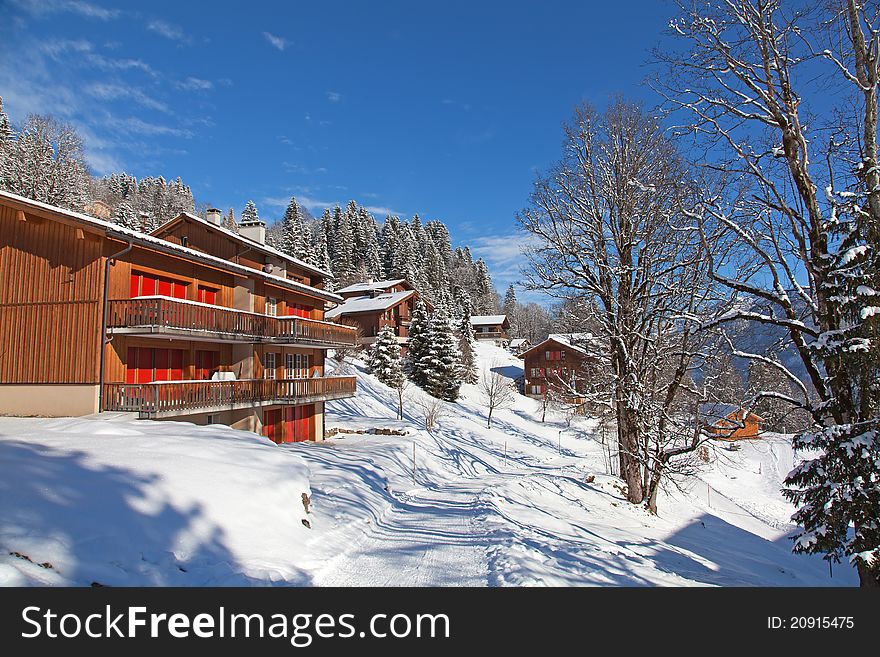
(611, 235)
(780, 102)
(496, 391)
(432, 410)
(344, 355)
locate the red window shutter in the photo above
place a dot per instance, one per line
(131, 361)
(148, 286)
(134, 286)
(178, 290)
(176, 373)
(162, 363)
(144, 365)
(164, 287)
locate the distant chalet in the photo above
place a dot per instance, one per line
(192, 322)
(555, 366)
(491, 327)
(374, 305)
(730, 421)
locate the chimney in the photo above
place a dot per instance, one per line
(214, 216)
(253, 230)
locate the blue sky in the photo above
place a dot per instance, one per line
(445, 110)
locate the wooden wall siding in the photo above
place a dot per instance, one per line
(50, 291)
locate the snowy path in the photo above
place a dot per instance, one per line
(429, 538)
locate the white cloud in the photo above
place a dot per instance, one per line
(86, 9)
(105, 91)
(334, 96)
(277, 42)
(194, 84)
(167, 30)
(135, 125)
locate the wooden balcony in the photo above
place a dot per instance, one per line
(173, 398)
(200, 321)
(492, 335)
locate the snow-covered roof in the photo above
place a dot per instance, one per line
(574, 341)
(265, 248)
(368, 304)
(518, 342)
(119, 232)
(482, 320)
(367, 287)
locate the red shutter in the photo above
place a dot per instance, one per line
(148, 286)
(178, 290)
(162, 364)
(134, 286)
(164, 287)
(131, 365)
(144, 365)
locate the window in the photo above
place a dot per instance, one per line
(269, 369)
(206, 363)
(149, 285)
(271, 306)
(148, 364)
(296, 366)
(211, 419)
(298, 310)
(536, 390)
(552, 355)
(207, 294)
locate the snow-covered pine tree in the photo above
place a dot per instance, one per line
(125, 216)
(510, 309)
(440, 364)
(48, 164)
(418, 343)
(250, 212)
(5, 146)
(383, 358)
(292, 239)
(467, 344)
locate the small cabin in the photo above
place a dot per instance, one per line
(491, 327)
(730, 422)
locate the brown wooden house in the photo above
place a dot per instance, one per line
(730, 421)
(491, 327)
(192, 322)
(374, 305)
(556, 366)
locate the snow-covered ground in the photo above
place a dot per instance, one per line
(518, 504)
(147, 503)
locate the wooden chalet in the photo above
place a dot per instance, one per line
(373, 305)
(730, 421)
(491, 327)
(192, 322)
(556, 365)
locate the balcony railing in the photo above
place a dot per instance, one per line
(491, 335)
(168, 398)
(164, 315)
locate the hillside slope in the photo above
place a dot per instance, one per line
(520, 504)
(122, 502)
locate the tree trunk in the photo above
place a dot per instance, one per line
(489, 419)
(867, 578)
(628, 443)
